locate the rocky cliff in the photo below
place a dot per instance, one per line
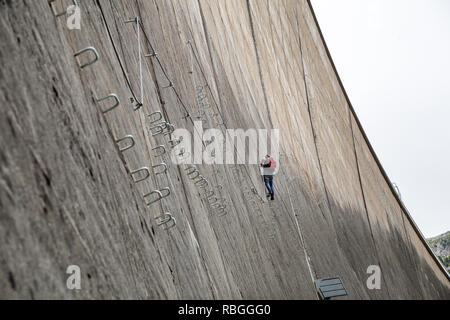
(70, 196)
(441, 247)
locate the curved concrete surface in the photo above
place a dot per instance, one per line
(67, 196)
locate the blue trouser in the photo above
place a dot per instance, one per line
(268, 180)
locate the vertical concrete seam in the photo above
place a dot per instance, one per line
(413, 261)
(308, 260)
(310, 117)
(258, 61)
(364, 200)
(194, 231)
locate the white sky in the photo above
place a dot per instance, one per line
(393, 57)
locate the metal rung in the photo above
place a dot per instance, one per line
(214, 200)
(219, 206)
(156, 113)
(170, 129)
(192, 171)
(160, 195)
(129, 146)
(145, 177)
(202, 183)
(170, 85)
(209, 194)
(162, 127)
(162, 151)
(222, 213)
(91, 49)
(165, 219)
(75, 3)
(109, 96)
(163, 165)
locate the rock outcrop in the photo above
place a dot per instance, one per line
(441, 247)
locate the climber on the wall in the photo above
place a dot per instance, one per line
(269, 165)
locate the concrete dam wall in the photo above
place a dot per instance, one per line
(69, 196)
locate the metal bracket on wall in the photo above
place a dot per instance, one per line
(50, 2)
(145, 177)
(129, 146)
(159, 130)
(113, 96)
(141, 81)
(168, 86)
(193, 174)
(192, 171)
(88, 49)
(162, 152)
(154, 54)
(209, 194)
(170, 129)
(202, 183)
(163, 165)
(156, 113)
(165, 219)
(160, 195)
(162, 128)
(397, 189)
(222, 212)
(214, 200)
(218, 205)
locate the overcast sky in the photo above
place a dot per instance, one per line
(393, 57)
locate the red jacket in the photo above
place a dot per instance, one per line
(269, 168)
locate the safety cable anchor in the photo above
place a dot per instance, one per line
(169, 86)
(131, 20)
